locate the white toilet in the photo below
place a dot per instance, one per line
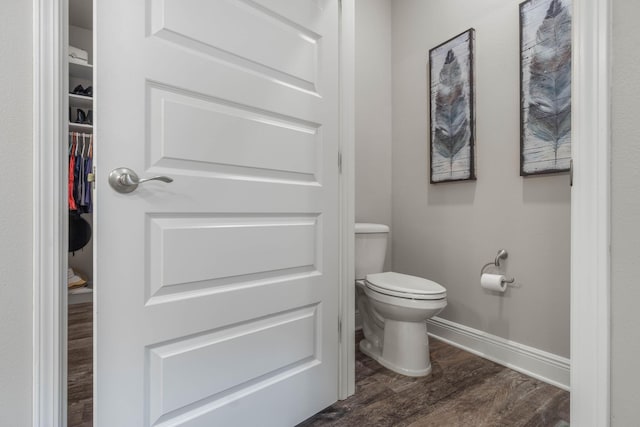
(394, 307)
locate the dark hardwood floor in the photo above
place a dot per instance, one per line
(80, 366)
(462, 390)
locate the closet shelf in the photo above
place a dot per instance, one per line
(80, 101)
(81, 290)
(80, 295)
(82, 71)
(80, 127)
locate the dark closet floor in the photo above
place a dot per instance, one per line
(462, 390)
(80, 366)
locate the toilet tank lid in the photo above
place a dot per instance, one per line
(365, 227)
(404, 283)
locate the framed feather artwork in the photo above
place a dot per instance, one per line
(451, 90)
(545, 86)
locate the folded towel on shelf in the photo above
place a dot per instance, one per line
(73, 280)
(78, 55)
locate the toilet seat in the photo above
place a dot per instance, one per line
(405, 286)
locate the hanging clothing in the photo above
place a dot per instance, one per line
(80, 166)
(86, 199)
(72, 159)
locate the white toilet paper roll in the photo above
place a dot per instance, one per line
(493, 282)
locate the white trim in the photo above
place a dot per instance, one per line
(49, 214)
(539, 364)
(347, 350)
(590, 218)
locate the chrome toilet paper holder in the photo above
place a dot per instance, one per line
(502, 254)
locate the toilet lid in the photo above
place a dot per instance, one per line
(405, 286)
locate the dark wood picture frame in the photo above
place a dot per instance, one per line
(545, 86)
(452, 109)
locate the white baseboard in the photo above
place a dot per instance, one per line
(539, 364)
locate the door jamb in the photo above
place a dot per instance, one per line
(347, 355)
(590, 257)
(590, 215)
(50, 215)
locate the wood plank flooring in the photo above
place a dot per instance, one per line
(462, 390)
(80, 366)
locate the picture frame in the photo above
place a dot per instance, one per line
(545, 86)
(452, 109)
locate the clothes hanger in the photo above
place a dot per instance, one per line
(73, 143)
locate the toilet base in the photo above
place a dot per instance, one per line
(375, 353)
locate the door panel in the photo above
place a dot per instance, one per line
(245, 251)
(284, 50)
(217, 294)
(240, 140)
(181, 372)
(282, 46)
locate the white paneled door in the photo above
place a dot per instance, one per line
(217, 293)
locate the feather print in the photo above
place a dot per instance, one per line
(451, 115)
(549, 116)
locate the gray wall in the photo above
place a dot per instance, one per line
(446, 232)
(15, 213)
(373, 111)
(625, 216)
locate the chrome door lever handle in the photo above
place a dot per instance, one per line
(125, 180)
(130, 178)
(156, 178)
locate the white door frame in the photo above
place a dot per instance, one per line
(590, 215)
(590, 257)
(49, 213)
(346, 361)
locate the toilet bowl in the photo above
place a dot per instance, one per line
(393, 307)
(399, 341)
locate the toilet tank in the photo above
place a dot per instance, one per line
(370, 248)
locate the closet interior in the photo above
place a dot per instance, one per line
(80, 197)
(80, 151)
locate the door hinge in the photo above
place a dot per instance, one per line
(570, 172)
(340, 161)
(339, 330)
